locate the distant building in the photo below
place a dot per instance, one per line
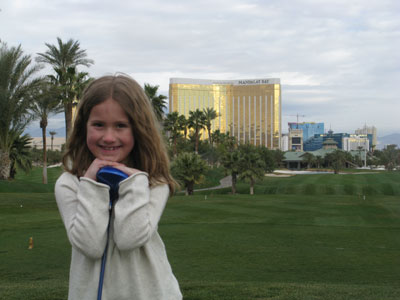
(369, 130)
(295, 160)
(296, 140)
(285, 142)
(317, 141)
(354, 142)
(314, 143)
(37, 142)
(250, 110)
(309, 129)
(329, 143)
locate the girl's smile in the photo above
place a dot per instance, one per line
(109, 132)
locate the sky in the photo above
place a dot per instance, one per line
(338, 60)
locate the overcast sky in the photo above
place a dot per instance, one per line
(338, 60)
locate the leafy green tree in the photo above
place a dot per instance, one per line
(319, 160)
(251, 165)
(209, 115)
(390, 157)
(279, 157)
(197, 122)
(20, 155)
(373, 161)
(44, 105)
(17, 88)
(268, 156)
(54, 157)
(158, 101)
(189, 169)
(308, 158)
(337, 160)
(64, 58)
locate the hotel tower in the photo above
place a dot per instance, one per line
(250, 110)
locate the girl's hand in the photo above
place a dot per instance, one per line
(125, 169)
(96, 165)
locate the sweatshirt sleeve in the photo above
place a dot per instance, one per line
(83, 205)
(138, 211)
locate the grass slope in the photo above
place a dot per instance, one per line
(358, 184)
(298, 245)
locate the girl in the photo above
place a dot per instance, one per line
(115, 126)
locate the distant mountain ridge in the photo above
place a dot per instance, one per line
(388, 140)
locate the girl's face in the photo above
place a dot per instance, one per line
(109, 132)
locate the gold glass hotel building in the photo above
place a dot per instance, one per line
(250, 110)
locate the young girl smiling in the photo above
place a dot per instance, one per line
(115, 126)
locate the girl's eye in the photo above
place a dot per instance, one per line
(97, 124)
(122, 125)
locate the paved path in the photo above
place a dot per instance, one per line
(223, 183)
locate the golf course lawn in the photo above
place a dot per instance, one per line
(307, 244)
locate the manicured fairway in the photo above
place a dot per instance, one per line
(285, 247)
(269, 246)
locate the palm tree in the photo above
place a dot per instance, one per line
(251, 165)
(52, 133)
(230, 161)
(20, 155)
(44, 105)
(197, 122)
(360, 149)
(174, 127)
(158, 101)
(183, 123)
(64, 58)
(189, 168)
(17, 88)
(210, 115)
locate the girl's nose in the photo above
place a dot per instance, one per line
(109, 136)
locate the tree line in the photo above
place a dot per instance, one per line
(25, 96)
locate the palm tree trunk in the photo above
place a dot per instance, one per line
(189, 188)
(196, 145)
(234, 179)
(5, 165)
(68, 119)
(251, 186)
(175, 146)
(209, 135)
(42, 125)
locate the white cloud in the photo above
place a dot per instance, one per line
(338, 60)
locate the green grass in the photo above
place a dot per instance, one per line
(359, 184)
(296, 242)
(31, 182)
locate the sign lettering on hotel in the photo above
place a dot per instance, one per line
(255, 81)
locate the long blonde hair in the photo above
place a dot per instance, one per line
(148, 154)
